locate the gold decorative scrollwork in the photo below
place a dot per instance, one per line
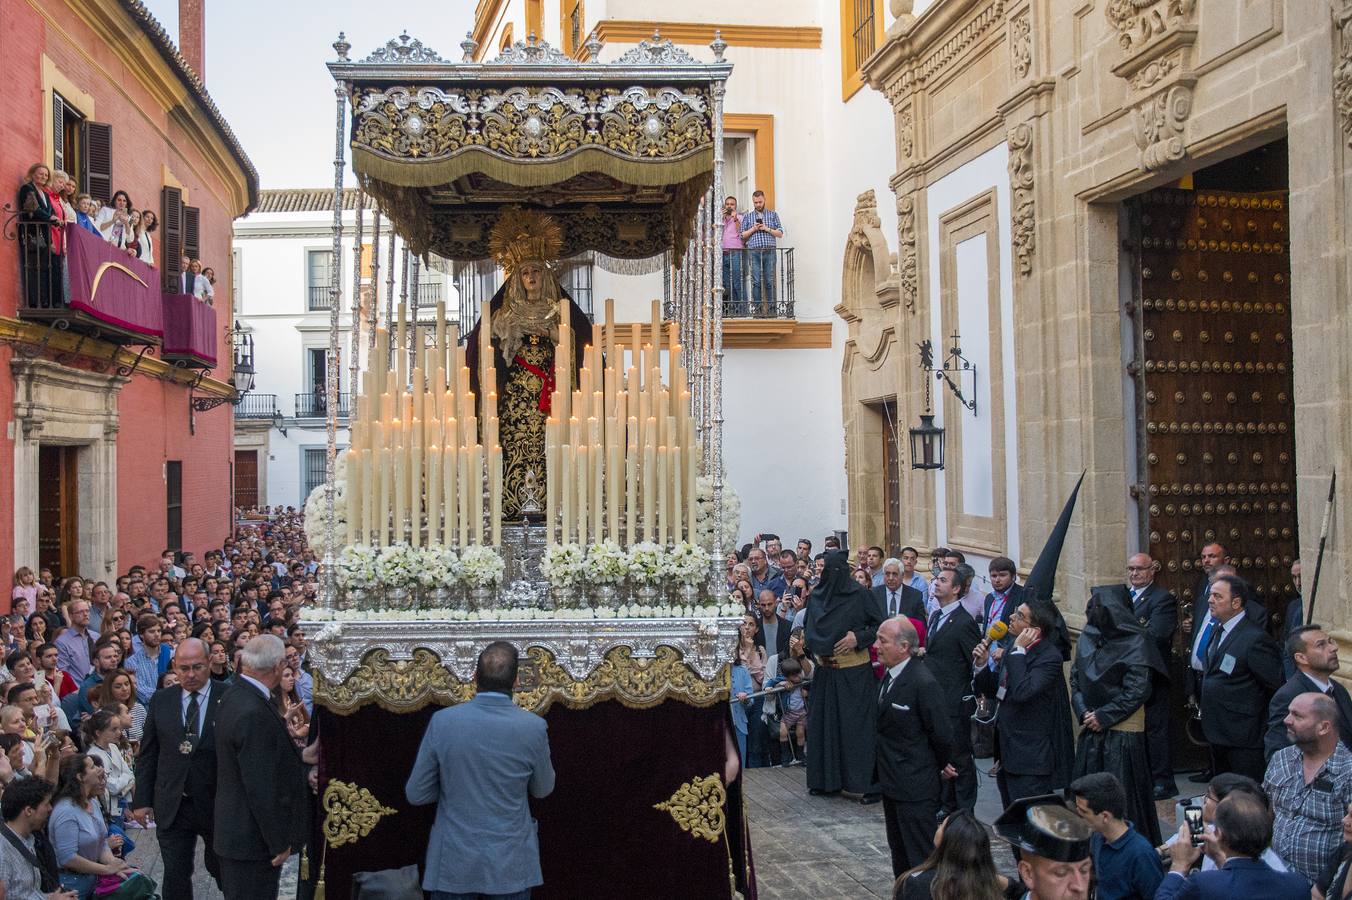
(350, 813)
(698, 807)
(402, 686)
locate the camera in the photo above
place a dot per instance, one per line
(760, 219)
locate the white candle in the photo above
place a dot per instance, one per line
(551, 477)
(415, 473)
(434, 464)
(397, 486)
(579, 487)
(631, 484)
(661, 495)
(649, 489)
(613, 499)
(354, 496)
(677, 507)
(465, 459)
(386, 495)
(476, 492)
(566, 492)
(449, 472)
(495, 492)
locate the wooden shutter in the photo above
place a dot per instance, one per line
(98, 161)
(192, 244)
(58, 131)
(171, 229)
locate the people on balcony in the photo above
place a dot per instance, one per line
(761, 229)
(202, 288)
(131, 235)
(734, 253)
(39, 237)
(112, 220)
(149, 222)
(84, 214)
(209, 275)
(65, 193)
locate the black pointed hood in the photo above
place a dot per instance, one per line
(1042, 579)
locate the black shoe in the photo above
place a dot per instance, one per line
(1200, 778)
(870, 799)
(1165, 791)
(820, 792)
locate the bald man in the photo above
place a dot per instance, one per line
(1157, 611)
(1310, 784)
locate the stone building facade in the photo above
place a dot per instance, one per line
(1134, 212)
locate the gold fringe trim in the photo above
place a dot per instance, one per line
(533, 173)
(402, 686)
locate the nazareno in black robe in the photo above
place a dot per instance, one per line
(1112, 676)
(843, 708)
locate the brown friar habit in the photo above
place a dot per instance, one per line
(843, 710)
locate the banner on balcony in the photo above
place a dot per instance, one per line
(111, 286)
(189, 330)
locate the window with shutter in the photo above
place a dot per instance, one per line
(98, 160)
(171, 230)
(58, 131)
(173, 491)
(192, 244)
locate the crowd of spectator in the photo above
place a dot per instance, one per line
(49, 205)
(82, 660)
(1088, 729)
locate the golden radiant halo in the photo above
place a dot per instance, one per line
(524, 235)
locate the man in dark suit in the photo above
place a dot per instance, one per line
(1292, 619)
(773, 631)
(1213, 562)
(1316, 656)
(899, 599)
(915, 744)
(176, 768)
(1242, 667)
(1027, 723)
(952, 633)
(1006, 593)
(262, 796)
(1243, 832)
(1156, 609)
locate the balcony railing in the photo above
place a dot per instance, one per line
(257, 406)
(758, 284)
(320, 300)
(79, 282)
(430, 293)
(315, 405)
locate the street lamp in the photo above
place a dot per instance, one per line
(241, 374)
(927, 439)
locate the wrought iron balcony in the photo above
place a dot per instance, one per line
(257, 406)
(315, 405)
(757, 284)
(320, 300)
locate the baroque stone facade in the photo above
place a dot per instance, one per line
(1090, 104)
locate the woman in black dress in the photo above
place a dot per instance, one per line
(1109, 685)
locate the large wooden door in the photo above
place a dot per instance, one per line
(891, 480)
(246, 479)
(1213, 370)
(58, 510)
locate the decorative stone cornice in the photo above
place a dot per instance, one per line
(1023, 218)
(1159, 127)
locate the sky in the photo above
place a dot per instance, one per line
(265, 68)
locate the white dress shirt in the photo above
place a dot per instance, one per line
(203, 695)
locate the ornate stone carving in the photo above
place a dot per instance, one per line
(1140, 21)
(1020, 45)
(965, 37)
(865, 217)
(1022, 213)
(697, 806)
(906, 133)
(1342, 74)
(908, 262)
(404, 50)
(657, 52)
(1159, 125)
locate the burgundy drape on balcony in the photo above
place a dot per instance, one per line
(111, 286)
(189, 329)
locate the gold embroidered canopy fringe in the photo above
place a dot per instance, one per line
(620, 153)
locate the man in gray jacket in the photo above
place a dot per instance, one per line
(478, 762)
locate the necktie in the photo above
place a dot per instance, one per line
(1204, 641)
(934, 621)
(887, 683)
(1214, 643)
(891, 603)
(190, 721)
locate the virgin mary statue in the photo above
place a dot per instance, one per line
(524, 316)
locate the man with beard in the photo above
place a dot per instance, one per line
(1110, 682)
(1316, 657)
(842, 621)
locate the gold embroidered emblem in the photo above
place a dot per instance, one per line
(697, 806)
(350, 813)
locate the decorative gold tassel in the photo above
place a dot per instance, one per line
(323, 860)
(304, 863)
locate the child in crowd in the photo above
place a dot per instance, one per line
(793, 704)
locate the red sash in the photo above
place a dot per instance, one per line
(546, 392)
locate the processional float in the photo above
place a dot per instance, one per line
(540, 480)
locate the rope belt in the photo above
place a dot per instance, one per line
(847, 660)
(1132, 723)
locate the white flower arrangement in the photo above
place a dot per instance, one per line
(481, 566)
(703, 613)
(562, 564)
(689, 563)
(648, 563)
(439, 567)
(316, 510)
(704, 513)
(606, 563)
(398, 565)
(356, 568)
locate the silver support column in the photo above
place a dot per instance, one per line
(716, 384)
(375, 293)
(331, 365)
(354, 339)
(389, 304)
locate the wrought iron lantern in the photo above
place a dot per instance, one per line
(927, 439)
(241, 375)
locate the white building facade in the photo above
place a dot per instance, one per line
(283, 256)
